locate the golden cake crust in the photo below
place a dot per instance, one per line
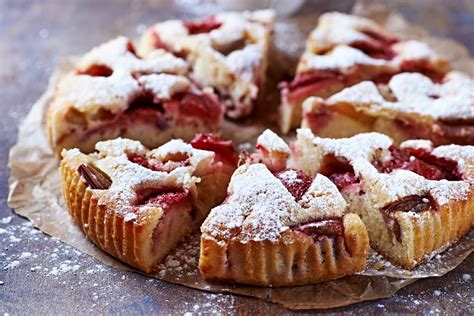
(294, 259)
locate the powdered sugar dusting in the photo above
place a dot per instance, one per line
(290, 177)
(464, 155)
(259, 207)
(164, 86)
(322, 198)
(272, 142)
(418, 144)
(174, 146)
(335, 28)
(415, 93)
(116, 55)
(86, 93)
(245, 61)
(364, 92)
(341, 57)
(413, 50)
(120, 146)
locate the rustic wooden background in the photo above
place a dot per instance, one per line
(40, 275)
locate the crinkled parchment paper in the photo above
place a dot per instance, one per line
(36, 194)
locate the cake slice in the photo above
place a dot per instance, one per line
(113, 92)
(227, 51)
(280, 227)
(344, 50)
(409, 106)
(415, 200)
(137, 204)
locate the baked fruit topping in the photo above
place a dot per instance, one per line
(295, 181)
(227, 51)
(94, 178)
(344, 50)
(322, 228)
(113, 92)
(137, 204)
(223, 149)
(421, 162)
(415, 200)
(280, 227)
(409, 106)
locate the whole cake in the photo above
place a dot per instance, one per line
(384, 158)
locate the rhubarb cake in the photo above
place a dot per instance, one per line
(112, 92)
(227, 51)
(137, 204)
(415, 200)
(344, 50)
(280, 227)
(409, 106)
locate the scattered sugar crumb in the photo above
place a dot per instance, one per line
(12, 265)
(6, 220)
(43, 33)
(25, 255)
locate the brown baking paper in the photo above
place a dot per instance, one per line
(35, 191)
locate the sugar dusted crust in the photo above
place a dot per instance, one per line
(344, 50)
(120, 218)
(227, 51)
(409, 216)
(409, 106)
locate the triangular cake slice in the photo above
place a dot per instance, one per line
(137, 204)
(280, 227)
(409, 106)
(415, 200)
(344, 50)
(112, 92)
(227, 51)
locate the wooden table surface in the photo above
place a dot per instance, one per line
(40, 275)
